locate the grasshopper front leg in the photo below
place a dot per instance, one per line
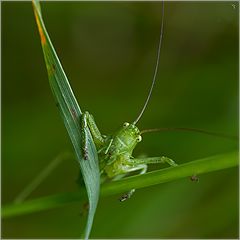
(87, 120)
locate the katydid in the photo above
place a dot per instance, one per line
(115, 151)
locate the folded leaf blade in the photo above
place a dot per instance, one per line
(70, 112)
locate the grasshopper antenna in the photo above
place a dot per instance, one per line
(235, 138)
(156, 67)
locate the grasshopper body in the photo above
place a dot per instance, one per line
(115, 151)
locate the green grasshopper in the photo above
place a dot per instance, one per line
(115, 151)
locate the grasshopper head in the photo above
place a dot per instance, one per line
(127, 137)
(132, 131)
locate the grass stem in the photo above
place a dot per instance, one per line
(197, 167)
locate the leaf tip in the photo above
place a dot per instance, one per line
(41, 33)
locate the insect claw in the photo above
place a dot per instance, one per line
(124, 197)
(194, 178)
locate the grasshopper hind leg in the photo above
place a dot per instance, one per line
(84, 135)
(141, 164)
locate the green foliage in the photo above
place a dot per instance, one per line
(196, 167)
(108, 50)
(70, 112)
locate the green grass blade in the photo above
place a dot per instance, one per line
(197, 167)
(201, 166)
(71, 113)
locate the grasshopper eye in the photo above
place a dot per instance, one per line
(139, 138)
(126, 124)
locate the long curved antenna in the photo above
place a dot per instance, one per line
(235, 138)
(156, 67)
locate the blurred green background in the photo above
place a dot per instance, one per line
(108, 51)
